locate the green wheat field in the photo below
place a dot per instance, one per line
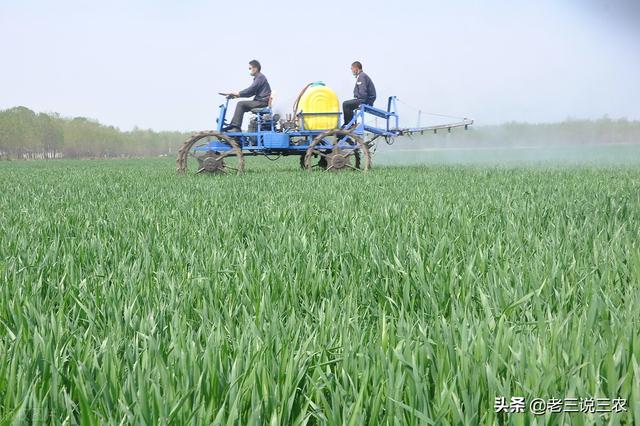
(407, 295)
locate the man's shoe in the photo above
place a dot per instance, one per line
(232, 129)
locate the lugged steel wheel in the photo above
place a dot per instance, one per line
(210, 161)
(337, 148)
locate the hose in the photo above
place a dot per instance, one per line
(297, 102)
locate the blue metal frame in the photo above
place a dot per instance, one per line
(267, 140)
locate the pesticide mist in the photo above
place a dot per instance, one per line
(572, 142)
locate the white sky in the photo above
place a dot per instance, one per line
(159, 64)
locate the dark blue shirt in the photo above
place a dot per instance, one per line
(364, 91)
(259, 88)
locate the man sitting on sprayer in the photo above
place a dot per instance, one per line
(363, 93)
(259, 89)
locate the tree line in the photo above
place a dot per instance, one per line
(25, 134)
(569, 132)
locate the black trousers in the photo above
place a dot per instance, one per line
(348, 107)
(242, 107)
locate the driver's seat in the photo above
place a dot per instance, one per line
(263, 110)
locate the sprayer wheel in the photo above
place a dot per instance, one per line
(209, 161)
(337, 148)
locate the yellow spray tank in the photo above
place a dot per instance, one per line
(318, 98)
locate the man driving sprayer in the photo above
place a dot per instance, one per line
(364, 92)
(259, 89)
